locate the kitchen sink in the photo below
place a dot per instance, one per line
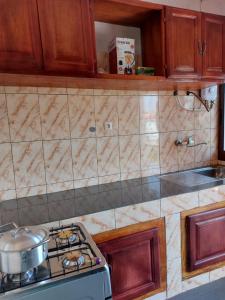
(217, 172)
(196, 177)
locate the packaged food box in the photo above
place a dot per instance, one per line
(149, 71)
(122, 56)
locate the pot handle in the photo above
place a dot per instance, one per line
(17, 230)
(39, 244)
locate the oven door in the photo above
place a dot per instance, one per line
(90, 287)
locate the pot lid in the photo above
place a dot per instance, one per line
(22, 238)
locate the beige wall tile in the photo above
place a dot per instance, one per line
(130, 175)
(20, 89)
(106, 111)
(54, 117)
(149, 151)
(4, 123)
(2, 89)
(52, 91)
(215, 115)
(214, 137)
(137, 213)
(7, 195)
(168, 150)
(29, 164)
(150, 172)
(80, 92)
(60, 186)
(195, 282)
(217, 274)
(128, 109)
(85, 182)
(173, 236)
(214, 154)
(202, 152)
(168, 169)
(99, 92)
(108, 156)
(202, 119)
(31, 191)
(84, 154)
(58, 161)
(213, 195)
(6, 168)
(186, 120)
(82, 118)
(176, 204)
(24, 117)
(174, 285)
(98, 222)
(109, 179)
(149, 114)
(168, 113)
(129, 153)
(186, 155)
(128, 93)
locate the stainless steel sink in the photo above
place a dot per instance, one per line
(217, 172)
(188, 178)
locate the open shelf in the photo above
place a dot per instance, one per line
(106, 81)
(146, 20)
(129, 13)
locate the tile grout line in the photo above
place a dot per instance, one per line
(11, 147)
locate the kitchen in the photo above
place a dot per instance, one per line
(112, 149)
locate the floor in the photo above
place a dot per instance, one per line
(211, 291)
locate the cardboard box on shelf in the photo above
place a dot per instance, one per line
(122, 56)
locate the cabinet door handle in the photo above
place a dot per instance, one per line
(204, 47)
(200, 48)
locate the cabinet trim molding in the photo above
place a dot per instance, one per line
(132, 229)
(185, 273)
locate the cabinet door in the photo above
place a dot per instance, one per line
(205, 238)
(20, 45)
(213, 35)
(67, 32)
(183, 42)
(134, 261)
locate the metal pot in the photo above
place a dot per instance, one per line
(22, 249)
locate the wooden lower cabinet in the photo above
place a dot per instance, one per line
(206, 241)
(203, 240)
(136, 260)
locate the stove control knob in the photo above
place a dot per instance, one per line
(98, 260)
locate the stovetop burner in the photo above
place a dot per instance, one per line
(72, 260)
(71, 251)
(66, 237)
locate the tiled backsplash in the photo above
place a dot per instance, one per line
(48, 140)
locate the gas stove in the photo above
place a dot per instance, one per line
(72, 256)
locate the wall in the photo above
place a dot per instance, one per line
(46, 144)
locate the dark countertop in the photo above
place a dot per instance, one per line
(73, 203)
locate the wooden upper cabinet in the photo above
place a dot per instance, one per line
(205, 239)
(183, 43)
(134, 261)
(67, 32)
(20, 44)
(213, 37)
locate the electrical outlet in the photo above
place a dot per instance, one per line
(108, 125)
